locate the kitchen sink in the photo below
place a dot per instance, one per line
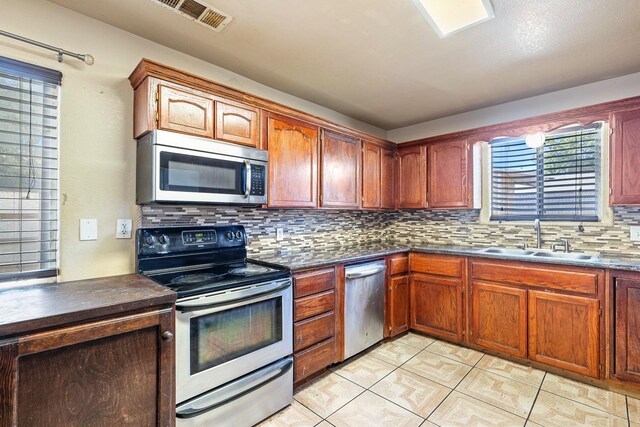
(505, 251)
(540, 253)
(565, 255)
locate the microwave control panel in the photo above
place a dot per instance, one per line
(258, 179)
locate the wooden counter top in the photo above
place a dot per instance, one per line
(31, 308)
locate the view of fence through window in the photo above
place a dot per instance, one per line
(28, 172)
(558, 181)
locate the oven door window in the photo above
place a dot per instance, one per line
(225, 335)
(189, 173)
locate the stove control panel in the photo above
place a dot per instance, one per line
(179, 240)
(196, 237)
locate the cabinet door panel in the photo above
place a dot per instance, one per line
(564, 331)
(371, 175)
(625, 158)
(499, 319)
(340, 169)
(293, 157)
(237, 123)
(398, 305)
(187, 112)
(627, 327)
(449, 175)
(436, 306)
(387, 179)
(411, 180)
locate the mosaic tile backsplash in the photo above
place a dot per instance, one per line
(326, 228)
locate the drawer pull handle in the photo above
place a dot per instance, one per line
(166, 336)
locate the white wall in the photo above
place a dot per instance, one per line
(580, 96)
(97, 163)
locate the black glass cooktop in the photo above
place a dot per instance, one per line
(211, 277)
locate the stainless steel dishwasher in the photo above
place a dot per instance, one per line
(364, 306)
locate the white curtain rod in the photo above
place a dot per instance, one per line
(86, 58)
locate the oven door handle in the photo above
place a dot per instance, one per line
(234, 390)
(233, 296)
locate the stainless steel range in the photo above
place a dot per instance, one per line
(233, 324)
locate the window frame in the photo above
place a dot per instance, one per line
(22, 71)
(601, 181)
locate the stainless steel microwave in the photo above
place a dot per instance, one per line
(177, 168)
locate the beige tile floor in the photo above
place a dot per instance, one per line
(418, 381)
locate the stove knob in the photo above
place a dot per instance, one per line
(164, 239)
(150, 240)
(239, 235)
(230, 235)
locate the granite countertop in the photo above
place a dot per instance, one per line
(313, 258)
(36, 307)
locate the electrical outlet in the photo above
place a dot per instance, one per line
(88, 229)
(635, 232)
(279, 234)
(123, 229)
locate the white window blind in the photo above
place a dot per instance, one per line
(29, 216)
(558, 181)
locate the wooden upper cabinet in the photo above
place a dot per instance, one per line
(340, 171)
(387, 179)
(564, 331)
(371, 175)
(411, 181)
(378, 177)
(185, 110)
(627, 325)
(293, 159)
(237, 123)
(625, 158)
(449, 168)
(499, 318)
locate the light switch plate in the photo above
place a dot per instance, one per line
(635, 232)
(89, 229)
(123, 228)
(279, 234)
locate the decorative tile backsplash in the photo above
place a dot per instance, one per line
(302, 228)
(322, 228)
(464, 228)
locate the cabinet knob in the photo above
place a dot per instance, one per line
(166, 336)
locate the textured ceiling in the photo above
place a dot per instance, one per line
(380, 62)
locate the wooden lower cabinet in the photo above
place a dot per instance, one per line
(314, 327)
(564, 331)
(499, 318)
(398, 304)
(436, 306)
(118, 371)
(627, 328)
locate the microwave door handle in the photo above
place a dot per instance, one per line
(247, 179)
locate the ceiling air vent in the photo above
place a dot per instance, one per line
(199, 12)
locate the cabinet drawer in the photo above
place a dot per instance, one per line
(312, 282)
(313, 305)
(312, 331)
(439, 265)
(398, 265)
(313, 359)
(570, 279)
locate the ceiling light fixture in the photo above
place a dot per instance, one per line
(450, 16)
(535, 140)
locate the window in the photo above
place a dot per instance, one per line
(28, 170)
(558, 181)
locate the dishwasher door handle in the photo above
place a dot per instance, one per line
(365, 273)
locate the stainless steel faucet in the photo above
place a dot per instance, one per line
(563, 244)
(536, 227)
